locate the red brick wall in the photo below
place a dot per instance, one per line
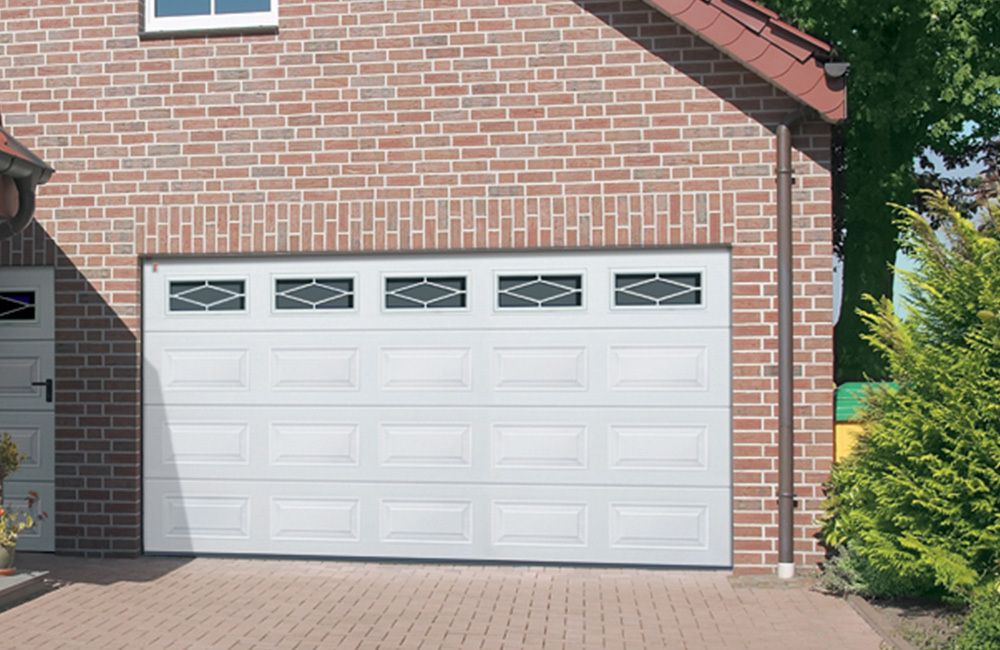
(388, 125)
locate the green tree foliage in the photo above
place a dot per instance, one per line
(924, 74)
(919, 502)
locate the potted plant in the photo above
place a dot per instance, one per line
(13, 523)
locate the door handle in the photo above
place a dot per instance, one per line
(48, 388)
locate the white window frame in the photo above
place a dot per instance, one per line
(208, 22)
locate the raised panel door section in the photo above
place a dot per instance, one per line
(214, 443)
(425, 444)
(314, 369)
(206, 369)
(32, 433)
(425, 368)
(294, 443)
(426, 521)
(315, 519)
(530, 523)
(24, 368)
(542, 445)
(540, 368)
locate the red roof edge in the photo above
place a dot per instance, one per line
(754, 35)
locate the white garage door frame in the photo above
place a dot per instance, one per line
(596, 432)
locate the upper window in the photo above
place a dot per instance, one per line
(203, 15)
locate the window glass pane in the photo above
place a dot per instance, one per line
(241, 6)
(425, 293)
(183, 8)
(657, 289)
(207, 295)
(17, 305)
(312, 294)
(540, 291)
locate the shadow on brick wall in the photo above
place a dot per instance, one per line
(97, 428)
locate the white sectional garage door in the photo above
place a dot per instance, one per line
(561, 407)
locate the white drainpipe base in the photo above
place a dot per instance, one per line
(786, 570)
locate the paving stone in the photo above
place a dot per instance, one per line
(283, 605)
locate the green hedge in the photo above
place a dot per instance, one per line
(919, 501)
(981, 629)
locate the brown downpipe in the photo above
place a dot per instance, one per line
(786, 393)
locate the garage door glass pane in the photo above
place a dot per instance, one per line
(17, 305)
(540, 291)
(425, 293)
(314, 293)
(657, 289)
(208, 295)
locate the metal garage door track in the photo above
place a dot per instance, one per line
(250, 603)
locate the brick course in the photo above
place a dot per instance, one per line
(404, 125)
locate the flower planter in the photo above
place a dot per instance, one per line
(6, 560)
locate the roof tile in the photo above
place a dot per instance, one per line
(753, 35)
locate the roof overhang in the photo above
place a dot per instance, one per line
(792, 60)
(20, 172)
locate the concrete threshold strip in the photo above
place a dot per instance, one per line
(21, 586)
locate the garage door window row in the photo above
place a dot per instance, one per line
(426, 292)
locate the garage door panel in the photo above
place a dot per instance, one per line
(467, 522)
(619, 446)
(479, 368)
(541, 407)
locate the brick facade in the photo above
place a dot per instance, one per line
(396, 125)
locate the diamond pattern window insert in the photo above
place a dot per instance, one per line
(208, 295)
(428, 292)
(17, 306)
(657, 289)
(314, 294)
(540, 291)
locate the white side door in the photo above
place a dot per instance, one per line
(27, 393)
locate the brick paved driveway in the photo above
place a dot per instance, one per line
(244, 603)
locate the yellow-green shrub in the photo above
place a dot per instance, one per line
(919, 502)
